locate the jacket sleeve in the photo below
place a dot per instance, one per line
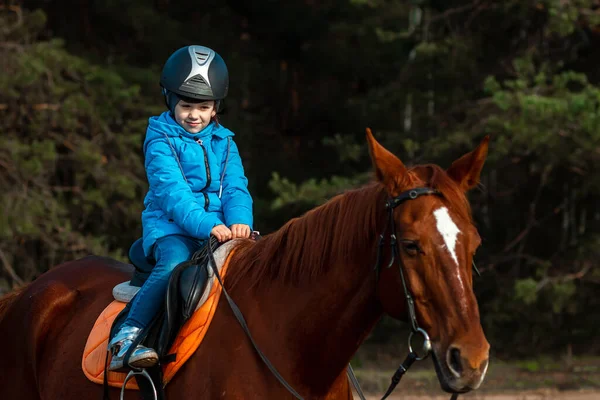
(236, 199)
(173, 194)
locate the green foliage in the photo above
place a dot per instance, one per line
(526, 290)
(65, 184)
(347, 150)
(562, 296)
(312, 192)
(556, 117)
(563, 16)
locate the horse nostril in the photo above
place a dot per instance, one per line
(454, 361)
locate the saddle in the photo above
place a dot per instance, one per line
(176, 331)
(188, 338)
(186, 286)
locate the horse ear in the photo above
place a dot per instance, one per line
(388, 167)
(466, 170)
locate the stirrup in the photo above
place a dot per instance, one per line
(140, 357)
(141, 372)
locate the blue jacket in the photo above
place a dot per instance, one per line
(202, 187)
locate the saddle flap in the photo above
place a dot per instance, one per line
(192, 284)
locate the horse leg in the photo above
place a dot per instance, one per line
(27, 326)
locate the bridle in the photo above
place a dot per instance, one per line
(390, 226)
(391, 204)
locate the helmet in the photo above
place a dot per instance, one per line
(195, 73)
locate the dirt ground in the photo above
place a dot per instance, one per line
(535, 379)
(540, 394)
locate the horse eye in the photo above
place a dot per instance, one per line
(411, 246)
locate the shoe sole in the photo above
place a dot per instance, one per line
(145, 362)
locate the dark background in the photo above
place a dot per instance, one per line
(79, 80)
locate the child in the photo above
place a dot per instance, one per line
(197, 186)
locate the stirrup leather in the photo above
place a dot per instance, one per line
(141, 357)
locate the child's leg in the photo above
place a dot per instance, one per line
(169, 252)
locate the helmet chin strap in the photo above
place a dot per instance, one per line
(171, 100)
(165, 93)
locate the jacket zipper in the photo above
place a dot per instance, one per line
(205, 201)
(208, 178)
(225, 167)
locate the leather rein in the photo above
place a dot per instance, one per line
(391, 204)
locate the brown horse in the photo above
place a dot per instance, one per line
(308, 292)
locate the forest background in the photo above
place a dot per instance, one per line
(79, 80)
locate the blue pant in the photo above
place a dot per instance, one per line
(168, 252)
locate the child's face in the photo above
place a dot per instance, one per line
(194, 117)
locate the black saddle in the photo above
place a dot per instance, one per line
(186, 286)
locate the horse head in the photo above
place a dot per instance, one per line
(436, 241)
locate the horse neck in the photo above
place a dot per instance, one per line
(330, 321)
(319, 323)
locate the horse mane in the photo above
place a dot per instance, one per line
(301, 250)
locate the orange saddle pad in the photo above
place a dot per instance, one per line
(187, 341)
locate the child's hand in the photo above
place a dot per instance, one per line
(221, 232)
(240, 231)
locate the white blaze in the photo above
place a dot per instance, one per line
(448, 230)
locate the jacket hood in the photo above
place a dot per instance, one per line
(163, 124)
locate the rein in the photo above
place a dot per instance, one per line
(240, 317)
(391, 204)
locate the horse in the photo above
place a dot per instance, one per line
(308, 291)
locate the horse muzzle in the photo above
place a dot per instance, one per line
(461, 369)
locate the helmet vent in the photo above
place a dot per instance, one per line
(197, 84)
(198, 80)
(201, 56)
